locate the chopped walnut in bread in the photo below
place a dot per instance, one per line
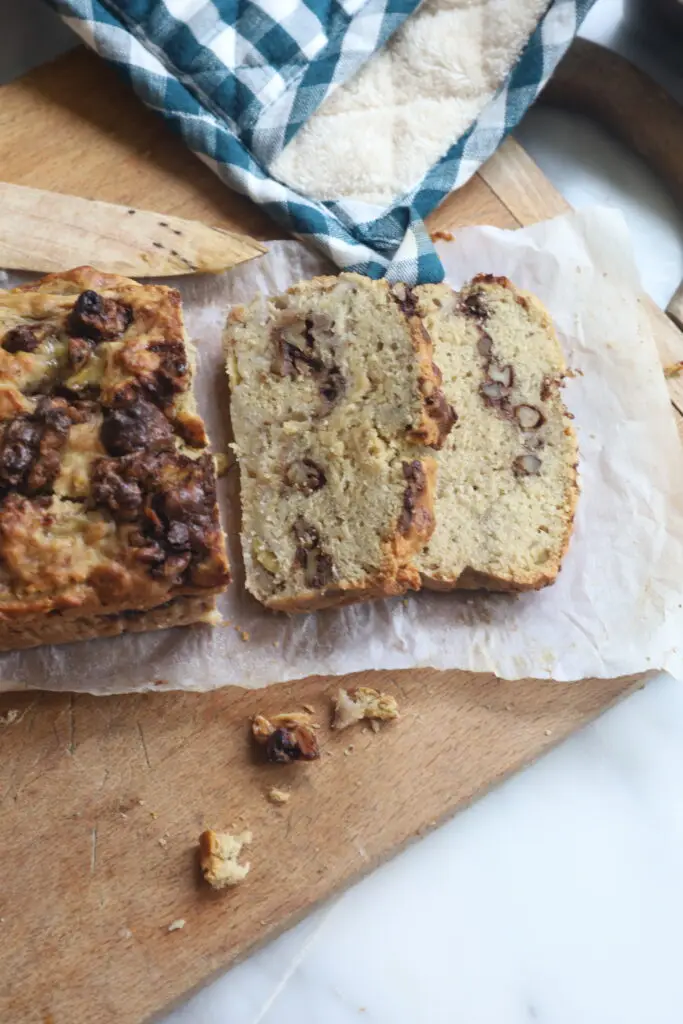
(336, 404)
(218, 858)
(363, 702)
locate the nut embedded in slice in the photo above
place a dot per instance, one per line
(529, 417)
(526, 465)
(363, 702)
(218, 853)
(501, 374)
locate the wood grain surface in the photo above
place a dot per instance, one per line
(46, 231)
(89, 786)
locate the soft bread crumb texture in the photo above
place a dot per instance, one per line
(507, 476)
(334, 398)
(218, 858)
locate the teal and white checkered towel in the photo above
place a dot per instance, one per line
(238, 78)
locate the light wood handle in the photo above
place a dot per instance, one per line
(48, 231)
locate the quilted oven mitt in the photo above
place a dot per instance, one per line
(348, 121)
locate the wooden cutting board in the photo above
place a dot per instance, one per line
(102, 799)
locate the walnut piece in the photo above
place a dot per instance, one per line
(363, 702)
(501, 374)
(218, 853)
(529, 417)
(526, 465)
(287, 737)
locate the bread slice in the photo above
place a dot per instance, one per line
(334, 396)
(507, 480)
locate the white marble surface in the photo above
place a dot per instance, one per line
(559, 897)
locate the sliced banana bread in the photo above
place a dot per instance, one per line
(507, 481)
(334, 396)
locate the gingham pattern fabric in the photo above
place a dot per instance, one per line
(237, 78)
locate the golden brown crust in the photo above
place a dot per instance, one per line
(107, 500)
(437, 417)
(79, 279)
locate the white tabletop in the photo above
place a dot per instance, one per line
(558, 898)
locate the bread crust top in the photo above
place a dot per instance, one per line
(107, 490)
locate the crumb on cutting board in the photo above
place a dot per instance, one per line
(674, 369)
(287, 737)
(175, 926)
(218, 857)
(363, 702)
(278, 796)
(223, 462)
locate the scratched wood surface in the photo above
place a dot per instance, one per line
(88, 786)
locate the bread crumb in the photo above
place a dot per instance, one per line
(441, 236)
(309, 708)
(162, 841)
(548, 732)
(278, 796)
(363, 702)
(348, 750)
(223, 462)
(218, 853)
(374, 725)
(176, 925)
(125, 933)
(154, 815)
(243, 633)
(10, 717)
(674, 369)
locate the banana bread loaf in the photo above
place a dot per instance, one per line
(507, 480)
(108, 514)
(334, 398)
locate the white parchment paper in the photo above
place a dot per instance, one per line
(617, 606)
